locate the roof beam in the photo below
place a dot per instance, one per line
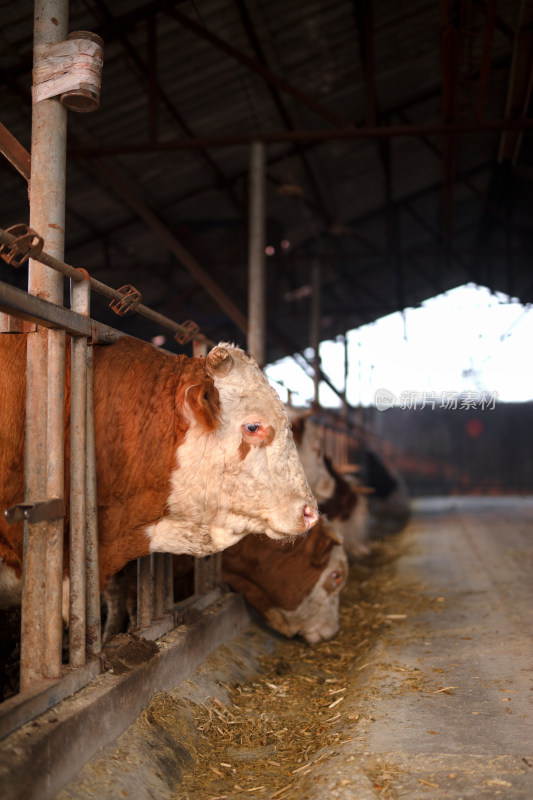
(148, 77)
(486, 58)
(450, 52)
(248, 26)
(315, 136)
(520, 83)
(365, 27)
(130, 196)
(15, 153)
(253, 65)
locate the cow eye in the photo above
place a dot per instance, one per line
(252, 427)
(335, 576)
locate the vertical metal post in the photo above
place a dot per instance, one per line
(256, 253)
(144, 593)
(316, 314)
(47, 215)
(158, 585)
(10, 324)
(80, 301)
(94, 626)
(346, 371)
(199, 349)
(217, 569)
(168, 577)
(55, 487)
(202, 574)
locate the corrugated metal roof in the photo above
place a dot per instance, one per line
(371, 210)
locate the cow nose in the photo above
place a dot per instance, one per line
(310, 516)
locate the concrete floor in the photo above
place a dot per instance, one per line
(449, 708)
(441, 708)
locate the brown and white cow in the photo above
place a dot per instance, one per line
(192, 453)
(310, 444)
(347, 512)
(294, 586)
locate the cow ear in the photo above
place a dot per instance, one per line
(218, 361)
(202, 405)
(321, 551)
(332, 534)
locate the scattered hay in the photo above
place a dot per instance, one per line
(279, 727)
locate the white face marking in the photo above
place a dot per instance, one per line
(10, 586)
(317, 616)
(311, 452)
(222, 490)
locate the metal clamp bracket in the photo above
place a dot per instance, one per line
(36, 512)
(189, 330)
(129, 302)
(27, 244)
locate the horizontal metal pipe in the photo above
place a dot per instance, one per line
(320, 135)
(20, 303)
(76, 275)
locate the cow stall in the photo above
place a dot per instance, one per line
(106, 686)
(48, 674)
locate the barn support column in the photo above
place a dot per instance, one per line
(256, 253)
(316, 313)
(80, 302)
(94, 625)
(346, 374)
(43, 541)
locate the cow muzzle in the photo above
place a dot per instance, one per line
(292, 521)
(310, 517)
(320, 634)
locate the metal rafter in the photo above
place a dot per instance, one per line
(450, 53)
(253, 64)
(520, 82)
(365, 26)
(248, 25)
(121, 186)
(486, 58)
(315, 136)
(148, 77)
(465, 181)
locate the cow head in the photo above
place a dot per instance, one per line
(310, 444)
(294, 586)
(242, 474)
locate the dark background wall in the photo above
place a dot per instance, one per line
(461, 451)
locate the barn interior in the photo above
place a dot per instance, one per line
(393, 145)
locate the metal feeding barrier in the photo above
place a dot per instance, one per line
(44, 679)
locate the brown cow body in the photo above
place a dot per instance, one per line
(192, 453)
(294, 586)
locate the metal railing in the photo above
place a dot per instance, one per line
(44, 682)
